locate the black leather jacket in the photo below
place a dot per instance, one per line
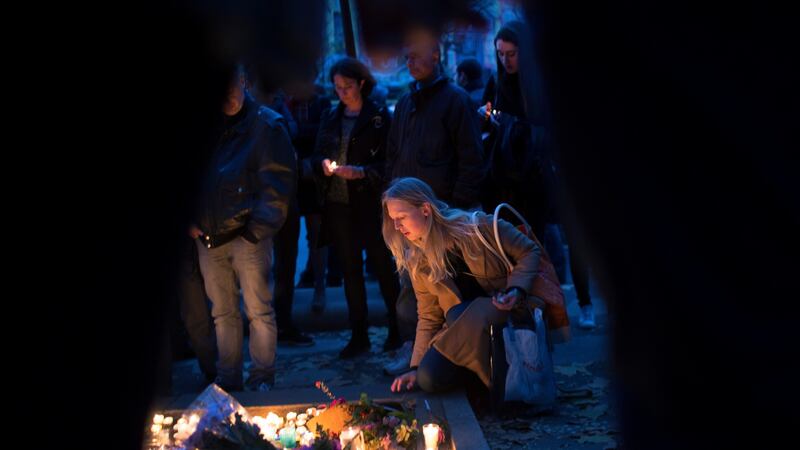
(252, 176)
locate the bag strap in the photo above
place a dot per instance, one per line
(499, 252)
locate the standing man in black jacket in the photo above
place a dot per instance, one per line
(243, 205)
(435, 136)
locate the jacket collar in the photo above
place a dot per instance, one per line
(424, 89)
(368, 111)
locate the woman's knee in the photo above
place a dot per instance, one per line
(426, 378)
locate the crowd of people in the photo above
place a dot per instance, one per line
(410, 189)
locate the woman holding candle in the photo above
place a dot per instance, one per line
(349, 160)
(461, 286)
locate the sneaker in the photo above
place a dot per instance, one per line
(359, 344)
(586, 320)
(318, 302)
(261, 384)
(402, 360)
(295, 337)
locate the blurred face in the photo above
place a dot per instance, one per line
(410, 220)
(507, 53)
(348, 90)
(235, 98)
(422, 56)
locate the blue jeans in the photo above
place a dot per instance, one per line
(241, 263)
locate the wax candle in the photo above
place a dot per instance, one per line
(431, 432)
(347, 435)
(288, 437)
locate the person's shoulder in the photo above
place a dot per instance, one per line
(269, 117)
(456, 94)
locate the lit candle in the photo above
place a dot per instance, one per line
(291, 416)
(167, 421)
(334, 166)
(431, 432)
(311, 412)
(288, 437)
(271, 432)
(274, 419)
(307, 439)
(347, 435)
(158, 419)
(156, 428)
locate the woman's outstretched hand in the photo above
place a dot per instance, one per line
(407, 380)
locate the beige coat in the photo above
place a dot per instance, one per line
(466, 341)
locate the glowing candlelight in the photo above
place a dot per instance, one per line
(156, 428)
(158, 419)
(347, 435)
(431, 432)
(288, 437)
(167, 421)
(333, 166)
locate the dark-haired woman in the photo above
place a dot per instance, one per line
(349, 160)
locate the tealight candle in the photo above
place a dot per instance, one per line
(347, 435)
(168, 421)
(156, 428)
(311, 412)
(158, 419)
(307, 439)
(288, 437)
(291, 416)
(431, 432)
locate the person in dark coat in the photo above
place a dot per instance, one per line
(349, 160)
(242, 206)
(435, 135)
(523, 171)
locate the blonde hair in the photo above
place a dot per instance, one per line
(448, 229)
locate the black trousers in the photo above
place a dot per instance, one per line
(284, 268)
(353, 228)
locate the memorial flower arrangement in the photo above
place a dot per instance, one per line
(216, 421)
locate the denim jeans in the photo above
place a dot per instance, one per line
(240, 263)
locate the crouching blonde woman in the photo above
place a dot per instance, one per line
(460, 285)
